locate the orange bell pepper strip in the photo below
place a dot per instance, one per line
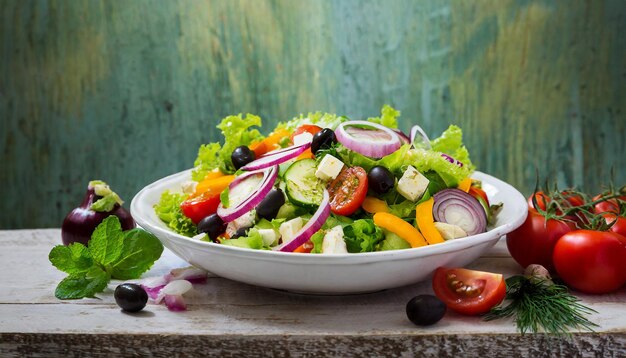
(401, 228)
(270, 143)
(213, 174)
(465, 184)
(307, 154)
(215, 185)
(305, 248)
(374, 205)
(426, 222)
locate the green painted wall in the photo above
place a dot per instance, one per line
(126, 91)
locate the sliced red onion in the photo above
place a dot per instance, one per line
(417, 130)
(403, 138)
(456, 207)
(276, 157)
(191, 274)
(174, 288)
(310, 228)
(376, 141)
(452, 160)
(175, 303)
(236, 209)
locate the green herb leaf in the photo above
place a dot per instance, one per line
(140, 250)
(80, 285)
(72, 259)
(224, 198)
(107, 241)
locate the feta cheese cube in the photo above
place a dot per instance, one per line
(333, 242)
(245, 220)
(413, 184)
(288, 229)
(450, 231)
(303, 138)
(269, 236)
(329, 168)
(189, 187)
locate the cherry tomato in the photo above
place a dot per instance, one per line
(571, 199)
(619, 223)
(609, 206)
(476, 192)
(591, 261)
(198, 206)
(347, 191)
(467, 291)
(309, 128)
(533, 242)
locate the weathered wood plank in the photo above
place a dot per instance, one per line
(127, 91)
(234, 319)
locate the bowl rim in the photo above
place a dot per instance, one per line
(145, 217)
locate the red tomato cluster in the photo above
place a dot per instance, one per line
(582, 240)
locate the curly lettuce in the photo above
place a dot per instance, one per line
(362, 236)
(237, 132)
(388, 117)
(168, 210)
(321, 119)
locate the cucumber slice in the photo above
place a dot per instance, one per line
(302, 187)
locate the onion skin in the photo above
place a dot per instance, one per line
(81, 222)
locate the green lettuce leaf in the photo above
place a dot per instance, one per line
(254, 240)
(236, 131)
(388, 117)
(317, 239)
(392, 242)
(324, 120)
(362, 236)
(168, 210)
(207, 160)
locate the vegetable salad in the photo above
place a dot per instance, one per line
(323, 183)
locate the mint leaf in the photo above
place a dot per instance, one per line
(106, 242)
(71, 259)
(81, 285)
(141, 249)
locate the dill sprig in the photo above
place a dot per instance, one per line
(538, 304)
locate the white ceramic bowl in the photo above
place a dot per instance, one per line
(328, 274)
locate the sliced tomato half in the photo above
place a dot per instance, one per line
(469, 292)
(200, 205)
(348, 191)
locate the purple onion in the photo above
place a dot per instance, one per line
(456, 207)
(81, 222)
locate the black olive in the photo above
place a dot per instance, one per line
(380, 180)
(424, 310)
(241, 156)
(241, 232)
(130, 297)
(323, 140)
(213, 226)
(268, 208)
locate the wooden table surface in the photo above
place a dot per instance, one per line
(228, 318)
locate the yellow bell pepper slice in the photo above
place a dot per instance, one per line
(215, 185)
(374, 205)
(401, 228)
(426, 222)
(465, 184)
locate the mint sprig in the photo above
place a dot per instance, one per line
(112, 254)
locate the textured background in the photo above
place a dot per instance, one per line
(126, 91)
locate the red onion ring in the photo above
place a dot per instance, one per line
(311, 227)
(456, 207)
(234, 211)
(381, 140)
(402, 136)
(276, 157)
(415, 130)
(452, 160)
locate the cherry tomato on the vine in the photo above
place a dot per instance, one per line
(591, 261)
(533, 242)
(608, 206)
(467, 291)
